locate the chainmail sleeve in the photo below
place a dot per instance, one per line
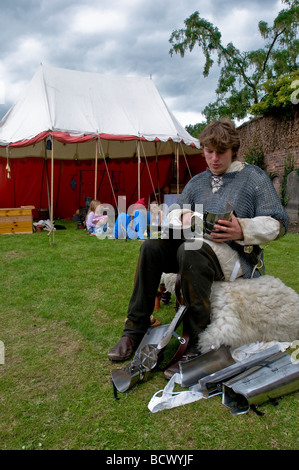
(250, 192)
(265, 198)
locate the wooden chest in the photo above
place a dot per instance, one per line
(16, 220)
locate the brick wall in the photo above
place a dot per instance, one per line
(278, 137)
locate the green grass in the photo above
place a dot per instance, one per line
(62, 308)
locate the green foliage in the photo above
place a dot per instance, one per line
(196, 129)
(280, 96)
(242, 73)
(256, 156)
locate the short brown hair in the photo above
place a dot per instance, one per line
(221, 135)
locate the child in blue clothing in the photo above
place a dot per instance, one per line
(132, 225)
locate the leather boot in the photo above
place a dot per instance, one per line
(123, 350)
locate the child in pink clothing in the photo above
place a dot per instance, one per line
(95, 224)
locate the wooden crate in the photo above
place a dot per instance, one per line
(16, 220)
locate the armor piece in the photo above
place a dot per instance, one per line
(279, 375)
(194, 369)
(212, 384)
(210, 219)
(147, 355)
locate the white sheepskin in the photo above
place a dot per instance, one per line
(246, 311)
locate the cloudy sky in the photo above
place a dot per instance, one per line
(123, 37)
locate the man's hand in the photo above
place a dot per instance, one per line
(226, 230)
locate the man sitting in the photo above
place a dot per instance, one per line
(225, 254)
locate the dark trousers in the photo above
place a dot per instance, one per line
(198, 269)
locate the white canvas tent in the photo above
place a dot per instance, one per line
(91, 116)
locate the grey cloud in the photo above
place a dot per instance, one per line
(142, 49)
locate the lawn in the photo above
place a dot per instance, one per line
(62, 308)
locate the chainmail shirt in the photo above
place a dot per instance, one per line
(250, 192)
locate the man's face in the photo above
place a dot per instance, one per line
(218, 162)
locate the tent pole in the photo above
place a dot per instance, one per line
(187, 164)
(177, 170)
(108, 174)
(149, 172)
(51, 233)
(48, 191)
(138, 154)
(96, 171)
(158, 175)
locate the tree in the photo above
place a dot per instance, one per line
(242, 73)
(280, 96)
(195, 129)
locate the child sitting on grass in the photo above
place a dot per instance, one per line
(95, 224)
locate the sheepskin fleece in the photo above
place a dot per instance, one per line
(246, 311)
